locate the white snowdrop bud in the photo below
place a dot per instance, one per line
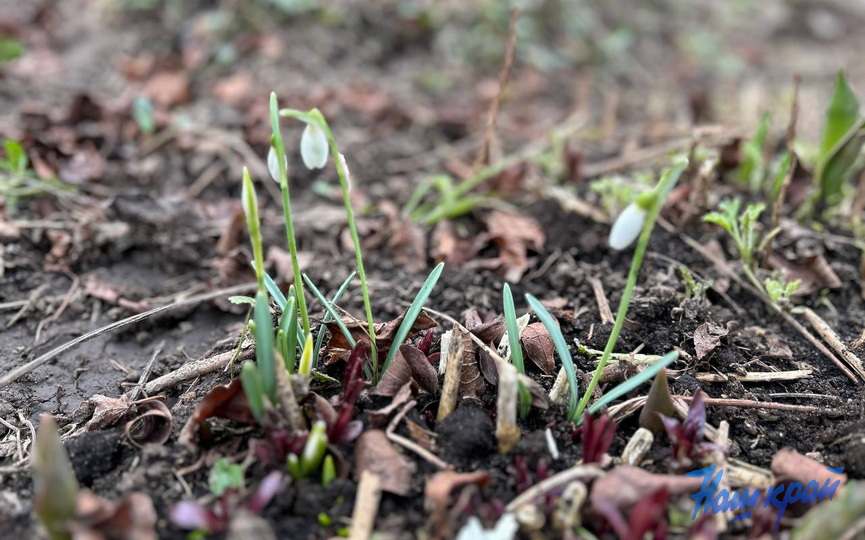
(628, 226)
(273, 164)
(313, 147)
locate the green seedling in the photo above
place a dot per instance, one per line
(328, 471)
(316, 124)
(562, 350)
(614, 192)
(780, 290)
(313, 453)
(225, 475)
(18, 181)
(306, 357)
(752, 170)
(250, 379)
(286, 335)
(694, 289)
(843, 136)
(742, 228)
(516, 348)
(55, 488)
(410, 316)
(319, 340)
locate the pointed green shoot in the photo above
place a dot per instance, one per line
(250, 379)
(306, 357)
(263, 333)
(410, 316)
(516, 348)
(634, 381)
(55, 488)
(562, 349)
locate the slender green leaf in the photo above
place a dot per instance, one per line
(274, 291)
(562, 349)
(411, 315)
(516, 348)
(328, 306)
(319, 340)
(288, 329)
(55, 488)
(250, 379)
(842, 113)
(264, 344)
(634, 381)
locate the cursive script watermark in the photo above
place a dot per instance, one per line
(713, 500)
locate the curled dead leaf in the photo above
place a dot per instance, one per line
(151, 426)
(226, 401)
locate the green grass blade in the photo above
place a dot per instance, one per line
(635, 381)
(328, 306)
(274, 291)
(412, 314)
(250, 379)
(264, 344)
(288, 326)
(319, 340)
(513, 331)
(561, 348)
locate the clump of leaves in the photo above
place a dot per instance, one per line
(686, 437)
(18, 181)
(191, 515)
(780, 290)
(742, 228)
(752, 170)
(597, 433)
(843, 136)
(55, 488)
(649, 515)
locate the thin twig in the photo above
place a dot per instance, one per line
(135, 392)
(489, 131)
(601, 299)
(554, 482)
(15, 374)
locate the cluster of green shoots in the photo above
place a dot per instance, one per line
(18, 181)
(644, 213)
(294, 333)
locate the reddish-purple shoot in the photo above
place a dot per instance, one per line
(647, 516)
(343, 429)
(597, 434)
(687, 437)
(426, 343)
(521, 473)
(278, 445)
(190, 515)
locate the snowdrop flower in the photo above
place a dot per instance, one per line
(273, 164)
(505, 529)
(628, 226)
(313, 147)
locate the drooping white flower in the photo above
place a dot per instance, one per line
(505, 529)
(628, 226)
(273, 164)
(313, 147)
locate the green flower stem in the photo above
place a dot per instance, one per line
(279, 148)
(316, 117)
(250, 208)
(668, 180)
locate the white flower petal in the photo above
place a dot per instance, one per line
(505, 529)
(627, 227)
(313, 147)
(273, 164)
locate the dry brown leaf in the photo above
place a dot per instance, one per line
(789, 465)
(380, 417)
(626, 484)
(539, 347)
(226, 401)
(338, 347)
(514, 235)
(133, 518)
(168, 88)
(439, 486)
(490, 332)
(152, 425)
(707, 337)
(234, 89)
(814, 271)
(452, 249)
(107, 411)
(373, 452)
(420, 435)
(281, 261)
